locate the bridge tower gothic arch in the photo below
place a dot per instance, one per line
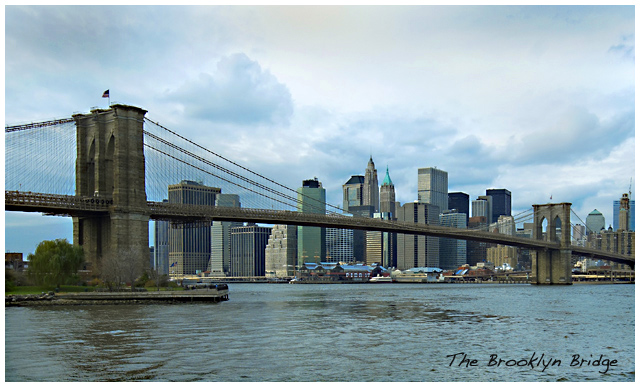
(552, 266)
(110, 167)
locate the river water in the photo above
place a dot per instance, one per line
(336, 333)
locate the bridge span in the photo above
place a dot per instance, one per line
(111, 212)
(68, 205)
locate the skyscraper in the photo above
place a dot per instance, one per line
(595, 222)
(388, 196)
(161, 246)
(388, 209)
(339, 245)
(501, 203)
(506, 225)
(352, 192)
(190, 244)
(311, 240)
(418, 250)
(433, 187)
(281, 253)
(453, 252)
(476, 251)
(631, 212)
(370, 193)
(482, 207)
(248, 245)
(220, 262)
(459, 201)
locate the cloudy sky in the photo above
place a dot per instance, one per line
(539, 100)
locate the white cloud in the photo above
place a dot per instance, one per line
(538, 100)
(238, 91)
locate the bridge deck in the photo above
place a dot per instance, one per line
(82, 206)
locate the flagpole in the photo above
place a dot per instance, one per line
(107, 95)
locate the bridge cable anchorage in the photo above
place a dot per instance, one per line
(244, 168)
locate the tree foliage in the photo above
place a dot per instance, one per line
(54, 262)
(122, 267)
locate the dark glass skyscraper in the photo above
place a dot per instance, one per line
(352, 192)
(501, 203)
(311, 240)
(190, 244)
(248, 245)
(460, 201)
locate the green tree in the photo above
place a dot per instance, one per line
(54, 262)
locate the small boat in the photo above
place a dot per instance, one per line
(381, 279)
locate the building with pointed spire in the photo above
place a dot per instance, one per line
(370, 194)
(388, 196)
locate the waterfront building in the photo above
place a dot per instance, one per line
(459, 201)
(339, 245)
(190, 244)
(220, 262)
(418, 250)
(595, 222)
(370, 193)
(388, 196)
(161, 246)
(248, 245)
(624, 213)
(281, 253)
(311, 240)
(433, 187)
(453, 252)
(500, 203)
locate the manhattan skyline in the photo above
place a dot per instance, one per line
(537, 100)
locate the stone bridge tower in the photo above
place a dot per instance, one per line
(110, 167)
(552, 266)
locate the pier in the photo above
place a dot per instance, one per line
(102, 298)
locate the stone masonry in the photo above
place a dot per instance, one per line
(110, 167)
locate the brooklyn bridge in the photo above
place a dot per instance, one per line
(109, 171)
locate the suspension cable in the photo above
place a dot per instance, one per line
(240, 166)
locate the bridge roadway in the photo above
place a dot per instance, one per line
(83, 206)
